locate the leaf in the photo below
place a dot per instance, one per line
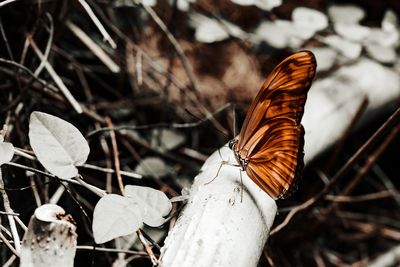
(210, 30)
(115, 216)
(352, 32)
(348, 13)
(58, 145)
(283, 33)
(262, 4)
(6, 152)
(304, 17)
(349, 49)
(390, 21)
(152, 166)
(167, 139)
(326, 57)
(382, 54)
(155, 203)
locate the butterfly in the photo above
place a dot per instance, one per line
(270, 144)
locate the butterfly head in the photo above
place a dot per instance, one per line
(232, 144)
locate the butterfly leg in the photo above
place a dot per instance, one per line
(219, 168)
(242, 187)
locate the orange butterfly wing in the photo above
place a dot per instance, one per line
(272, 138)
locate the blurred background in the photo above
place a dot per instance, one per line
(175, 68)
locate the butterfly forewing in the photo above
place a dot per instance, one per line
(271, 140)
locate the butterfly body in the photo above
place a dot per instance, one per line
(270, 144)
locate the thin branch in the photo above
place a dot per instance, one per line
(7, 207)
(48, 47)
(8, 244)
(185, 62)
(86, 40)
(98, 24)
(4, 36)
(177, 46)
(147, 248)
(160, 125)
(6, 2)
(114, 250)
(56, 78)
(116, 157)
(366, 197)
(108, 170)
(91, 188)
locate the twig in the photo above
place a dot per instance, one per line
(185, 62)
(93, 47)
(369, 228)
(92, 188)
(7, 207)
(10, 261)
(114, 250)
(56, 78)
(366, 197)
(9, 213)
(116, 157)
(387, 259)
(49, 89)
(147, 248)
(160, 125)
(98, 24)
(21, 223)
(361, 109)
(108, 170)
(48, 47)
(7, 243)
(387, 182)
(4, 36)
(363, 171)
(177, 46)
(6, 2)
(57, 195)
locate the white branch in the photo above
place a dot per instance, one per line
(216, 228)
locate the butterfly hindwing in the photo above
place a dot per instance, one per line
(271, 138)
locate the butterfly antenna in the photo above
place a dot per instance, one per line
(234, 119)
(242, 187)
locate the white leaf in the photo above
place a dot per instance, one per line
(155, 203)
(210, 30)
(115, 216)
(390, 21)
(6, 152)
(276, 33)
(58, 145)
(262, 4)
(350, 14)
(148, 2)
(348, 49)
(184, 5)
(168, 139)
(352, 32)
(325, 57)
(309, 18)
(384, 38)
(382, 54)
(152, 166)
